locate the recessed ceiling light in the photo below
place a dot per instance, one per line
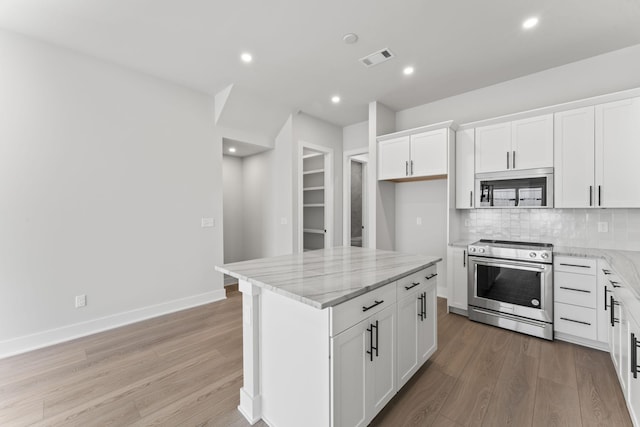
(232, 150)
(246, 57)
(335, 99)
(530, 23)
(408, 71)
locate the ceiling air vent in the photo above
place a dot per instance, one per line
(377, 57)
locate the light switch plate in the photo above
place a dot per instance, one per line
(207, 223)
(418, 221)
(603, 227)
(283, 220)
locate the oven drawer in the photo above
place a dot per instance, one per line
(576, 289)
(576, 321)
(578, 265)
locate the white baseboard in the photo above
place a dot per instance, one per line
(581, 341)
(42, 339)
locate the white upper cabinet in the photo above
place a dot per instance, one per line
(521, 144)
(493, 148)
(465, 168)
(413, 155)
(393, 158)
(617, 141)
(429, 153)
(574, 161)
(532, 143)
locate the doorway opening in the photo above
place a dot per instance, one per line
(355, 198)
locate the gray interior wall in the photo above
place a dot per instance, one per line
(233, 209)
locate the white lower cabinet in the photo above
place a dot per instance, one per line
(578, 300)
(364, 369)
(458, 278)
(633, 396)
(417, 329)
(373, 358)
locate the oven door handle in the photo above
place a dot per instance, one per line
(506, 264)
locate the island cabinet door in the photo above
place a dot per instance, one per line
(381, 375)
(348, 371)
(409, 312)
(428, 326)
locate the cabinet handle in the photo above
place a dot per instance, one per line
(606, 272)
(605, 298)
(575, 265)
(575, 289)
(614, 284)
(406, 168)
(424, 306)
(421, 312)
(471, 198)
(575, 321)
(372, 305)
(411, 167)
(370, 351)
(612, 304)
(599, 196)
(464, 258)
(514, 159)
(507, 160)
(431, 277)
(591, 195)
(413, 285)
(377, 341)
(635, 345)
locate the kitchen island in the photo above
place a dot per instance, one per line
(330, 336)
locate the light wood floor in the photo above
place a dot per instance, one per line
(185, 369)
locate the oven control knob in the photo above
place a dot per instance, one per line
(481, 250)
(472, 249)
(532, 254)
(544, 255)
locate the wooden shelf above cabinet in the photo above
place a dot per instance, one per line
(418, 178)
(311, 172)
(313, 189)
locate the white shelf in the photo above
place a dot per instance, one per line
(314, 205)
(313, 231)
(312, 188)
(314, 171)
(309, 156)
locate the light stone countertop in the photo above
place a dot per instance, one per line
(462, 243)
(327, 277)
(626, 264)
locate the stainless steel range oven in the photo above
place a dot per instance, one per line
(511, 285)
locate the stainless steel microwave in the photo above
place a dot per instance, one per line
(527, 188)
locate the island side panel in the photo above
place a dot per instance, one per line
(295, 362)
(250, 397)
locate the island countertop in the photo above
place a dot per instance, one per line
(327, 277)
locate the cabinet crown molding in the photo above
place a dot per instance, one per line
(441, 125)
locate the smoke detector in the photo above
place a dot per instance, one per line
(376, 58)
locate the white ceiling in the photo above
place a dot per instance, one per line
(300, 60)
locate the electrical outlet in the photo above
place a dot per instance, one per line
(81, 300)
(603, 227)
(283, 220)
(207, 223)
(418, 221)
(467, 223)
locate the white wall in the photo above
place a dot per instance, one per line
(267, 199)
(610, 72)
(355, 136)
(426, 201)
(315, 131)
(233, 209)
(105, 174)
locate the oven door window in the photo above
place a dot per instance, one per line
(510, 285)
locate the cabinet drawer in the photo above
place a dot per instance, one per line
(417, 281)
(577, 321)
(575, 265)
(347, 314)
(576, 289)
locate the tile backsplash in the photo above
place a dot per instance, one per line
(565, 227)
